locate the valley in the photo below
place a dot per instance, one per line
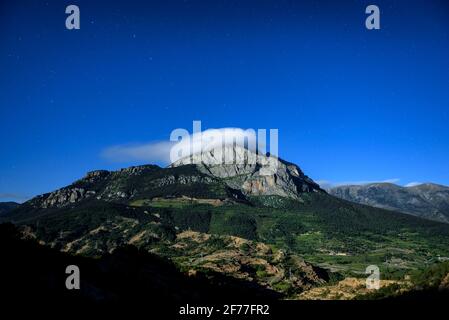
(291, 237)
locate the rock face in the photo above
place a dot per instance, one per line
(64, 196)
(430, 201)
(251, 173)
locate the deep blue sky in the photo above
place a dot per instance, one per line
(350, 104)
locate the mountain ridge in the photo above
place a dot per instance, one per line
(6, 207)
(427, 200)
(234, 182)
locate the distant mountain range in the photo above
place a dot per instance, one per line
(6, 207)
(428, 200)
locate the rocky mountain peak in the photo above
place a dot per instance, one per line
(252, 173)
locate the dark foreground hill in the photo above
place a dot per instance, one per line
(30, 272)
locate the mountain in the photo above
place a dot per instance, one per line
(221, 183)
(6, 207)
(430, 201)
(275, 228)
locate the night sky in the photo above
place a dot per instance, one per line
(350, 104)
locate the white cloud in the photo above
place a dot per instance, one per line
(151, 152)
(412, 184)
(326, 184)
(14, 197)
(159, 151)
